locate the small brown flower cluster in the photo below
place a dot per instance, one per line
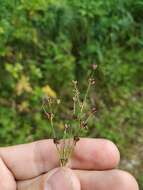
(71, 134)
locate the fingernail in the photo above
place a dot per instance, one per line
(64, 179)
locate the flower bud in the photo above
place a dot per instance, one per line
(56, 141)
(94, 66)
(76, 138)
(94, 110)
(74, 81)
(66, 127)
(92, 81)
(83, 125)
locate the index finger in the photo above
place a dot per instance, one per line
(30, 160)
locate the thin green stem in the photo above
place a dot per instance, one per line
(72, 148)
(54, 133)
(51, 118)
(74, 108)
(77, 94)
(85, 98)
(88, 117)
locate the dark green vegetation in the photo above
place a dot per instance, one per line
(49, 42)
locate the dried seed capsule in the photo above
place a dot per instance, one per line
(83, 125)
(75, 117)
(94, 66)
(58, 101)
(56, 141)
(92, 81)
(66, 127)
(94, 110)
(48, 114)
(74, 99)
(46, 99)
(74, 81)
(76, 138)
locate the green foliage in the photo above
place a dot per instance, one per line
(44, 44)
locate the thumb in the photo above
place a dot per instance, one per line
(57, 179)
(63, 178)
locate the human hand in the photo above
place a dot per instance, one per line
(35, 166)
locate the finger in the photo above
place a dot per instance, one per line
(6, 179)
(105, 180)
(59, 178)
(30, 160)
(99, 180)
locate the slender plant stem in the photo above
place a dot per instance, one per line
(51, 119)
(85, 97)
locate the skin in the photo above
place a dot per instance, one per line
(35, 166)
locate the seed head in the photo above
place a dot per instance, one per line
(94, 110)
(74, 81)
(56, 141)
(58, 101)
(45, 98)
(75, 117)
(49, 115)
(83, 125)
(76, 138)
(66, 127)
(94, 66)
(74, 99)
(92, 81)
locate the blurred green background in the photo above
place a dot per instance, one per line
(45, 44)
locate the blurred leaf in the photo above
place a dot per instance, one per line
(47, 90)
(23, 85)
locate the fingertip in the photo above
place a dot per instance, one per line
(108, 179)
(99, 154)
(112, 153)
(126, 180)
(62, 178)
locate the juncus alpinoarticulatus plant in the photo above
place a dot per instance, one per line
(81, 113)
